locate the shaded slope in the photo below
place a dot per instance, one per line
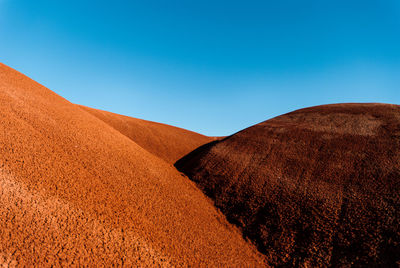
(318, 186)
(73, 190)
(167, 142)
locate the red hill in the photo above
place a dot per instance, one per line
(74, 191)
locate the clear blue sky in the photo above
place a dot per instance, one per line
(210, 66)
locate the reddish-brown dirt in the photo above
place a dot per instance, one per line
(75, 191)
(315, 187)
(167, 142)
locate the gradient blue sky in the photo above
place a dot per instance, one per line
(214, 67)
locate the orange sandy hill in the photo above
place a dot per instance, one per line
(75, 191)
(316, 187)
(167, 142)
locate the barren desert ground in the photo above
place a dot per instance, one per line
(317, 187)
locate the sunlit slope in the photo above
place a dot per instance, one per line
(318, 186)
(167, 142)
(74, 190)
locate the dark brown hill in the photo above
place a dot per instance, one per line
(318, 186)
(76, 192)
(167, 142)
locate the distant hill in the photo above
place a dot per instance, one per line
(167, 142)
(317, 187)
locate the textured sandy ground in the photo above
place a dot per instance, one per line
(316, 187)
(74, 190)
(167, 142)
